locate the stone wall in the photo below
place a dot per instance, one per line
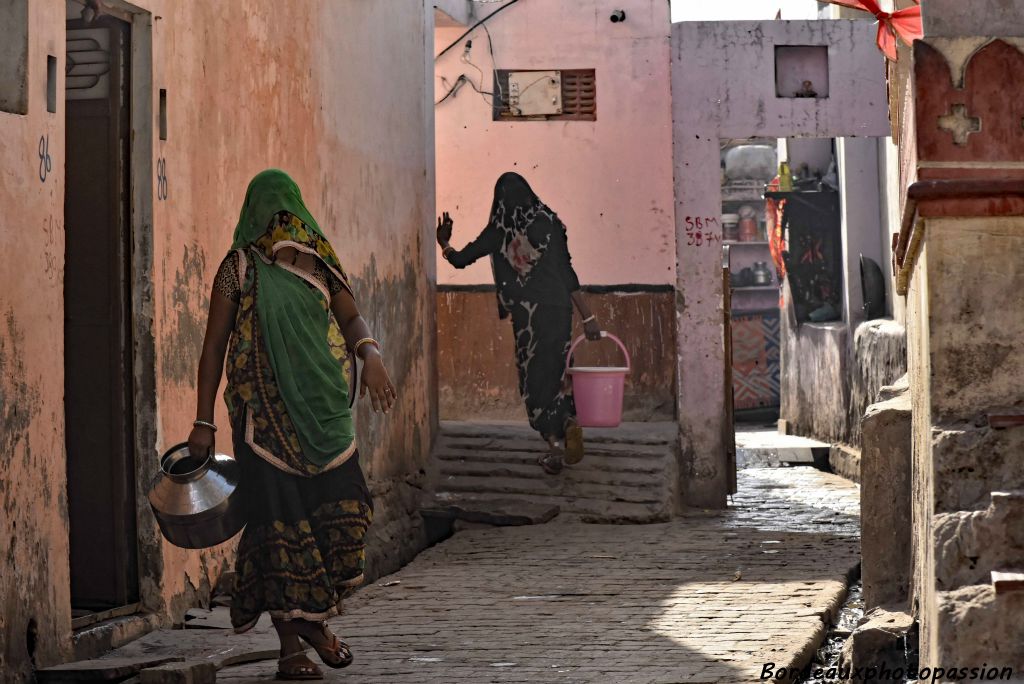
(886, 510)
(958, 261)
(814, 378)
(879, 359)
(969, 466)
(827, 383)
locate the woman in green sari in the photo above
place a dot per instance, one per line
(283, 312)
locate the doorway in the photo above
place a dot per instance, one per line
(98, 349)
(783, 267)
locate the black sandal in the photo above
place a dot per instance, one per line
(336, 654)
(551, 462)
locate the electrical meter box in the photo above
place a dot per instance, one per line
(534, 93)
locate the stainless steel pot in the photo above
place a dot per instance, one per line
(762, 275)
(196, 502)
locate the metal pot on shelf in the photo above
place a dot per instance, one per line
(761, 273)
(196, 502)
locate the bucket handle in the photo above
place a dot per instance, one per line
(582, 338)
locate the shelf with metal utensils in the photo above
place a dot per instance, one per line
(755, 288)
(743, 191)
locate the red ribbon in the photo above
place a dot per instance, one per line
(904, 24)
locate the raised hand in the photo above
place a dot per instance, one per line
(444, 229)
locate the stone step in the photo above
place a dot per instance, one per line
(627, 433)
(591, 510)
(516, 485)
(529, 469)
(495, 446)
(628, 474)
(501, 512)
(590, 463)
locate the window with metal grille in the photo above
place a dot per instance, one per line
(579, 96)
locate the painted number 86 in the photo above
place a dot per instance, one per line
(161, 179)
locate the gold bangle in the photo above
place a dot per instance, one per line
(366, 340)
(203, 423)
(447, 252)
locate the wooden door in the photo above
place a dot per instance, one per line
(97, 330)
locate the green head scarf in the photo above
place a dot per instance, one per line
(294, 318)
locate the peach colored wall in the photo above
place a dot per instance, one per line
(33, 500)
(346, 109)
(609, 180)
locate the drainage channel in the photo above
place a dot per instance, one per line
(826, 659)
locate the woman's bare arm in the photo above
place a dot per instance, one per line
(219, 325)
(353, 326)
(590, 325)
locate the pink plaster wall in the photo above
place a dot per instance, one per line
(347, 110)
(34, 549)
(609, 180)
(723, 84)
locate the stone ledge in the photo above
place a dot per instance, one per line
(106, 670)
(845, 461)
(97, 639)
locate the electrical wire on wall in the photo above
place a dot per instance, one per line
(459, 82)
(463, 79)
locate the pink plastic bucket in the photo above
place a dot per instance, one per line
(598, 390)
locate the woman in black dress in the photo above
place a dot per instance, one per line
(537, 287)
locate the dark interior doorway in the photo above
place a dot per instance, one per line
(97, 298)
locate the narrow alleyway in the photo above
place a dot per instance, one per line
(708, 597)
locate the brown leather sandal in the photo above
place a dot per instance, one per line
(297, 671)
(573, 443)
(334, 652)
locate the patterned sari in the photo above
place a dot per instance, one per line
(534, 278)
(303, 547)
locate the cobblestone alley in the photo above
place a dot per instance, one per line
(709, 597)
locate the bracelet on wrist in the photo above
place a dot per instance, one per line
(589, 319)
(366, 340)
(204, 423)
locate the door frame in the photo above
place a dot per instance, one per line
(149, 549)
